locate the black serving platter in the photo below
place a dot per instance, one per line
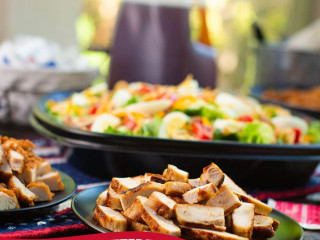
(116, 142)
(83, 205)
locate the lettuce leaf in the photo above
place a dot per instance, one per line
(314, 131)
(151, 128)
(257, 133)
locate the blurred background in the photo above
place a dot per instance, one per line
(225, 25)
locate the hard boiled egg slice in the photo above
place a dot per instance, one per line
(189, 87)
(228, 101)
(120, 98)
(149, 107)
(290, 121)
(103, 121)
(171, 123)
(79, 99)
(228, 126)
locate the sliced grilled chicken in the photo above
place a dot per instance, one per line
(226, 199)
(8, 200)
(53, 180)
(175, 174)
(144, 189)
(158, 223)
(138, 179)
(24, 195)
(232, 186)
(5, 170)
(212, 174)
(134, 212)
(242, 220)
(16, 161)
(3, 185)
(154, 178)
(2, 157)
(200, 194)
(197, 182)
(260, 207)
(113, 200)
(200, 216)
(121, 185)
(138, 227)
(263, 227)
(103, 198)
(176, 189)
(161, 204)
(41, 190)
(205, 234)
(178, 200)
(110, 219)
(43, 168)
(29, 173)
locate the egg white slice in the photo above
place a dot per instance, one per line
(149, 107)
(172, 122)
(120, 98)
(103, 121)
(290, 121)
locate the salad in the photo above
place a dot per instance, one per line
(185, 112)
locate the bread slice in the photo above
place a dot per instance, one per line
(263, 227)
(43, 168)
(226, 199)
(176, 189)
(5, 171)
(134, 212)
(232, 186)
(158, 223)
(195, 215)
(24, 195)
(197, 182)
(29, 173)
(205, 234)
(8, 200)
(154, 178)
(260, 207)
(162, 204)
(110, 219)
(53, 180)
(41, 190)
(175, 174)
(113, 200)
(212, 174)
(121, 185)
(103, 198)
(16, 161)
(144, 189)
(242, 220)
(200, 194)
(138, 179)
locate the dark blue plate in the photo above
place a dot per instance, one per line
(70, 188)
(84, 202)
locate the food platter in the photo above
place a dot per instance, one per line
(70, 188)
(46, 125)
(83, 205)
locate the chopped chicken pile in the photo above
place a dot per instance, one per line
(209, 207)
(24, 177)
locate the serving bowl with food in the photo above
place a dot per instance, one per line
(211, 206)
(186, 122)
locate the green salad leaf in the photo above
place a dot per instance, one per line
(218, 135)
(151, 128)
(314, 131)
(121, 130)
(207, 110)
(257, 132)
(132, 100)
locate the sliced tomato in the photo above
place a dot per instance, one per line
(145, 89)
(202, 131)
(94, 110)
(129, 122)
(246, 118)
(297, 135)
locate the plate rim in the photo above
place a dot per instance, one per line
(102, 230)
(47, 204)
